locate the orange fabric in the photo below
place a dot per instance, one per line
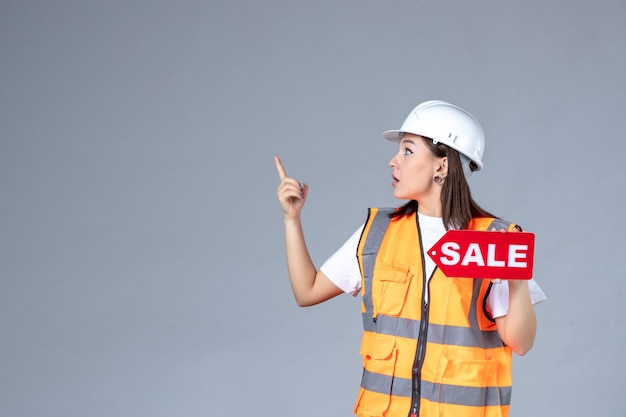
(396, 293)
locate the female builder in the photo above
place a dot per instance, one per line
(432, 345)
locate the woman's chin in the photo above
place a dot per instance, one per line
(399, 195)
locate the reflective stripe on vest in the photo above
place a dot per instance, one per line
(437, 333)
(451, 394)
(450, 336)
(375, 236)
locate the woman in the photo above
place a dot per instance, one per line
(432, 345)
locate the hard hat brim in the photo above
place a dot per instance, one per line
(393, 135)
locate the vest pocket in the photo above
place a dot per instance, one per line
(390, 288)
(470, 383)
(379, 367)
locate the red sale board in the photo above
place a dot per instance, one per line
(482, 254)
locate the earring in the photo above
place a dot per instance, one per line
(438, 179)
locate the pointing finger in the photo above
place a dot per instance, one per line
(279, 167)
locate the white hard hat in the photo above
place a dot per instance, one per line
(446, 123)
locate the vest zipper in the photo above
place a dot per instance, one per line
(420, 355)
(420, 352)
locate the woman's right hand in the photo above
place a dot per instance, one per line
(291, 193)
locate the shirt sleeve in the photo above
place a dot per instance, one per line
(498, 299)
(342, 268)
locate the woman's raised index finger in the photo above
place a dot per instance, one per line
(279, 167)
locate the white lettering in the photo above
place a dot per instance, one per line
(474, 255)
(491, 256)
(449, 249)
(517, 252)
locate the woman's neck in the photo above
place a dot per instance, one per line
(433, 209)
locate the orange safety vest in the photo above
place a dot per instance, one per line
(439, 358)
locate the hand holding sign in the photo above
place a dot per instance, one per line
(482, 254)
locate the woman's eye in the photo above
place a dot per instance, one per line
(407, 151)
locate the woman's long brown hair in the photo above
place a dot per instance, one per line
(457, 205)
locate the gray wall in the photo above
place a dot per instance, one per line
(141, 245)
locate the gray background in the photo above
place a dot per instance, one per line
(141, 244)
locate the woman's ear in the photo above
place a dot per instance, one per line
(442, 169)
